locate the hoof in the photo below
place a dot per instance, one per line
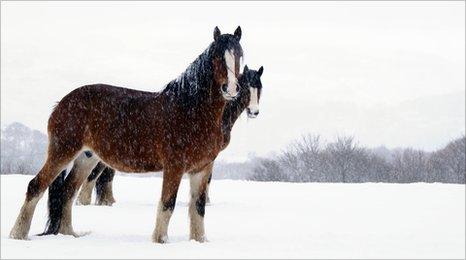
(81, 202)
(160, 239)
(105, 203)
(19, 233)
(18, 236)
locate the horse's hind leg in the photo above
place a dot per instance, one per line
(57, 159)
(85, 194)
(198, 183)
(104, 187)
(82, 168)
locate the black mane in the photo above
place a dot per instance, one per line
(193, 80)
(193, 85)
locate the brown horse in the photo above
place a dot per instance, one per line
(177, 130)
(101, 177)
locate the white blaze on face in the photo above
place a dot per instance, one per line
(254, 101)
(232, 81)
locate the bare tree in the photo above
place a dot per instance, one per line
(410, 165)
(449, 163)
(342, 156)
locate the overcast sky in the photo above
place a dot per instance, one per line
(389, 73)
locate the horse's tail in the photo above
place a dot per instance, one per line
(55, 204)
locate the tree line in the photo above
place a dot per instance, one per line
(344, 161)
(309, 159)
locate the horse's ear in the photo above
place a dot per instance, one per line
(261, 69)
(238, 33)
(216, 33)
(245, 69)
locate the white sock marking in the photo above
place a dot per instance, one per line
(232, 81)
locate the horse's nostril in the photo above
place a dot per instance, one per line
(256, 113)
(224, 88)
(237, 88)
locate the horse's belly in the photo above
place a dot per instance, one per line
(130, 158)
(133, 165)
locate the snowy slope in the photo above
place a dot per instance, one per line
(252, 219)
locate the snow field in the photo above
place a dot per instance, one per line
(254, 220)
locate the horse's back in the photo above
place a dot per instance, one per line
(104, 112)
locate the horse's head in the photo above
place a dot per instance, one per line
(227, 53)
(252, 82)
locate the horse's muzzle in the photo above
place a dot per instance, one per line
(252, 114)
(227, 95)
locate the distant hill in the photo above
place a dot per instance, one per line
(23, 150)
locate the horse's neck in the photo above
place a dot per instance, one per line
(233, 110)
(213, 104)
(195, 93)
(204, 105)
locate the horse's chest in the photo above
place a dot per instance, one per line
(202, 145)
(206, 140)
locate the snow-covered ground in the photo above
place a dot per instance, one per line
(255, 220)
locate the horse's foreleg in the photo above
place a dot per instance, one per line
(85, 194)
(171, 182)
(82, 168)
(198, 183)
(104, 187)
